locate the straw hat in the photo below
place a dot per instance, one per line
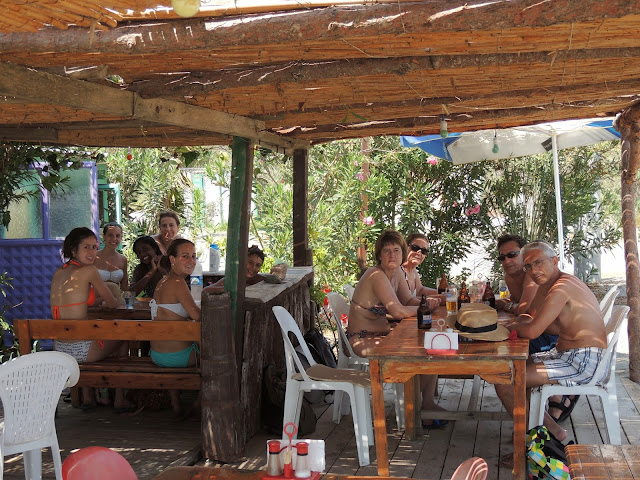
(478, 322)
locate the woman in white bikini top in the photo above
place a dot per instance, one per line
(110, 263)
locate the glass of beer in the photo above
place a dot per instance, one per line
(452, 300)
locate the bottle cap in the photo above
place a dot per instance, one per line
(274, 446)
(303, 448)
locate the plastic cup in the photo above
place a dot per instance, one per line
(129, 300)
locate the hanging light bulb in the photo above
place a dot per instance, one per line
(443, 127)
(495, 148)
(186, 8)
(129, 154)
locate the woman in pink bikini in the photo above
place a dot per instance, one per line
(73, 289)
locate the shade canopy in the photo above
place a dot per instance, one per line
(467, 147)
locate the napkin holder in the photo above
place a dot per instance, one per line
(438, 342)
(316, 459)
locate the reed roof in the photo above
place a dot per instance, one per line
(290, 73)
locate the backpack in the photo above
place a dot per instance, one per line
(545, 455)
(320, 348)
(274, 387)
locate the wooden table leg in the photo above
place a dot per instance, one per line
(379, 420)
(519, 418)
(411, 413)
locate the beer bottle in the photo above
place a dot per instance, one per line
(424, 314)
(489, 297)
(463, 297)
(442, 287)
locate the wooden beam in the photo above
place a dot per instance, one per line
(308, 72)
(29, 135)
(43, 87)
(320, 25)
(302, 256)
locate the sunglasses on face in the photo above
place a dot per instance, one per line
(418, 248)
(508, 255)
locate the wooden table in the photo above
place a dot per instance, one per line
(401, 356)
(140, 311)
(595, 462)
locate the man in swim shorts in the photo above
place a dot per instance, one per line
(563, 306)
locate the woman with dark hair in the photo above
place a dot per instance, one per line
(172, 301)
(73, 289)
(255, 259)
(417, 250)
(169, 225)
(111, 264)
(148, 272)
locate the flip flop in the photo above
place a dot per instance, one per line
(435, 424)
(565, 410)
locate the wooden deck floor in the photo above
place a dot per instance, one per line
(152, 441)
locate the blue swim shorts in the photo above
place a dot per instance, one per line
(174, 359)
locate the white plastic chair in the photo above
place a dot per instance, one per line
(320, 377)
(606, 390)
(348, 359)
(30, 387)
(606, 304)
(348, 290)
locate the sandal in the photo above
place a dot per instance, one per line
(435, 424)
(565, 410)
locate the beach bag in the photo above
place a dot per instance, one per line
(545, 455)
(274, 387)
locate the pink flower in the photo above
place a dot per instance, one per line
(344, 319)
(432, 160)
(472, 210)
(455, 204)
(359, 176)
(368, 221)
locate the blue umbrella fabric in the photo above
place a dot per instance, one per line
(468, 147)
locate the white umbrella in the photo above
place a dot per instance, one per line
(467, 147)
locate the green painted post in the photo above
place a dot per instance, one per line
(238, 227)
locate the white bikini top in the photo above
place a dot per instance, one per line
(114, 276)
(176, 308)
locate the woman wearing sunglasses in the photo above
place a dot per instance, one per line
(418, 248)
(381, 295)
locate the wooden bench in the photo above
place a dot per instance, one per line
(126, 372)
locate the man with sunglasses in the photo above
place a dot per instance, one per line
(522, 288)
(563, 305)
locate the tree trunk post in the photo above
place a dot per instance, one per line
(628, 125)
(222, 430)
(302, 255)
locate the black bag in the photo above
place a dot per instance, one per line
(274, 386)
(320, 348)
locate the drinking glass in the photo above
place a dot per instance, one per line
(129, 300)
(452, 300)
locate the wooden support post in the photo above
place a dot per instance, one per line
(302, 255)
(222, 430)
(628, 124)
(238, 230)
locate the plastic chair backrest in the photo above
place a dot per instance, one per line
(30, 387)
(348, 290)
(606, 304)
(613, 334)
(474, 468)
(340, 306)
(289, 325)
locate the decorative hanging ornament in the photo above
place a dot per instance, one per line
(443, 127)
(495, 148)
(186, 8)
(129, 154)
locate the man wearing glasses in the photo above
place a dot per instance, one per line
(522, 288)
(565, 306)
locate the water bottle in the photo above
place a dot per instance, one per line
(214, 258)
(195, 279)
